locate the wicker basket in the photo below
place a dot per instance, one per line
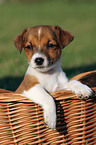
(21, 121)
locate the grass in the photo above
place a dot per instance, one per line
(78, 17)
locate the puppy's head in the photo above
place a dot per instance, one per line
(43, 45)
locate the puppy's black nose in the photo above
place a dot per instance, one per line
(39, 61)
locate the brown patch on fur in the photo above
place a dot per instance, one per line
(19, 40)
(33, 40)
(28, 82)
(28, 54)
(39, 42)
(64, 37)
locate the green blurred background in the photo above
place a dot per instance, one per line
(76, 16)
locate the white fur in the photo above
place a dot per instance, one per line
(36, 55)
(56, 80)
(38, 95)
(52, 79)
(39, 32)
(80, 89)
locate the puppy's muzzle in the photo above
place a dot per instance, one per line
(39, 61)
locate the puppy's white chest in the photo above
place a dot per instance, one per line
(49, 82)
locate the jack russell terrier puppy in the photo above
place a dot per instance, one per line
(43, 46)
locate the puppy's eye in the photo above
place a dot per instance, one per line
(29, 47)
(50, 45)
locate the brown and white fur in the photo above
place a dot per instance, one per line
(43, 46)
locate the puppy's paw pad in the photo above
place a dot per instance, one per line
(83, 97)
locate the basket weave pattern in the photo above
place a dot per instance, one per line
(21, 121)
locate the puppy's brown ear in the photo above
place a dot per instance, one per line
(64, 37)
(18, 41)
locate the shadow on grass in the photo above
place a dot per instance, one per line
(12, 83)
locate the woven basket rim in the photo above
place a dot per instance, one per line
(13, 97)
(9, 96)
(81, 75)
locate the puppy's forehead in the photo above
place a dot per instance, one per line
(41, 32)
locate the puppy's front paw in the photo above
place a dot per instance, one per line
(84, 92)
(50, 116)
(81, 90)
